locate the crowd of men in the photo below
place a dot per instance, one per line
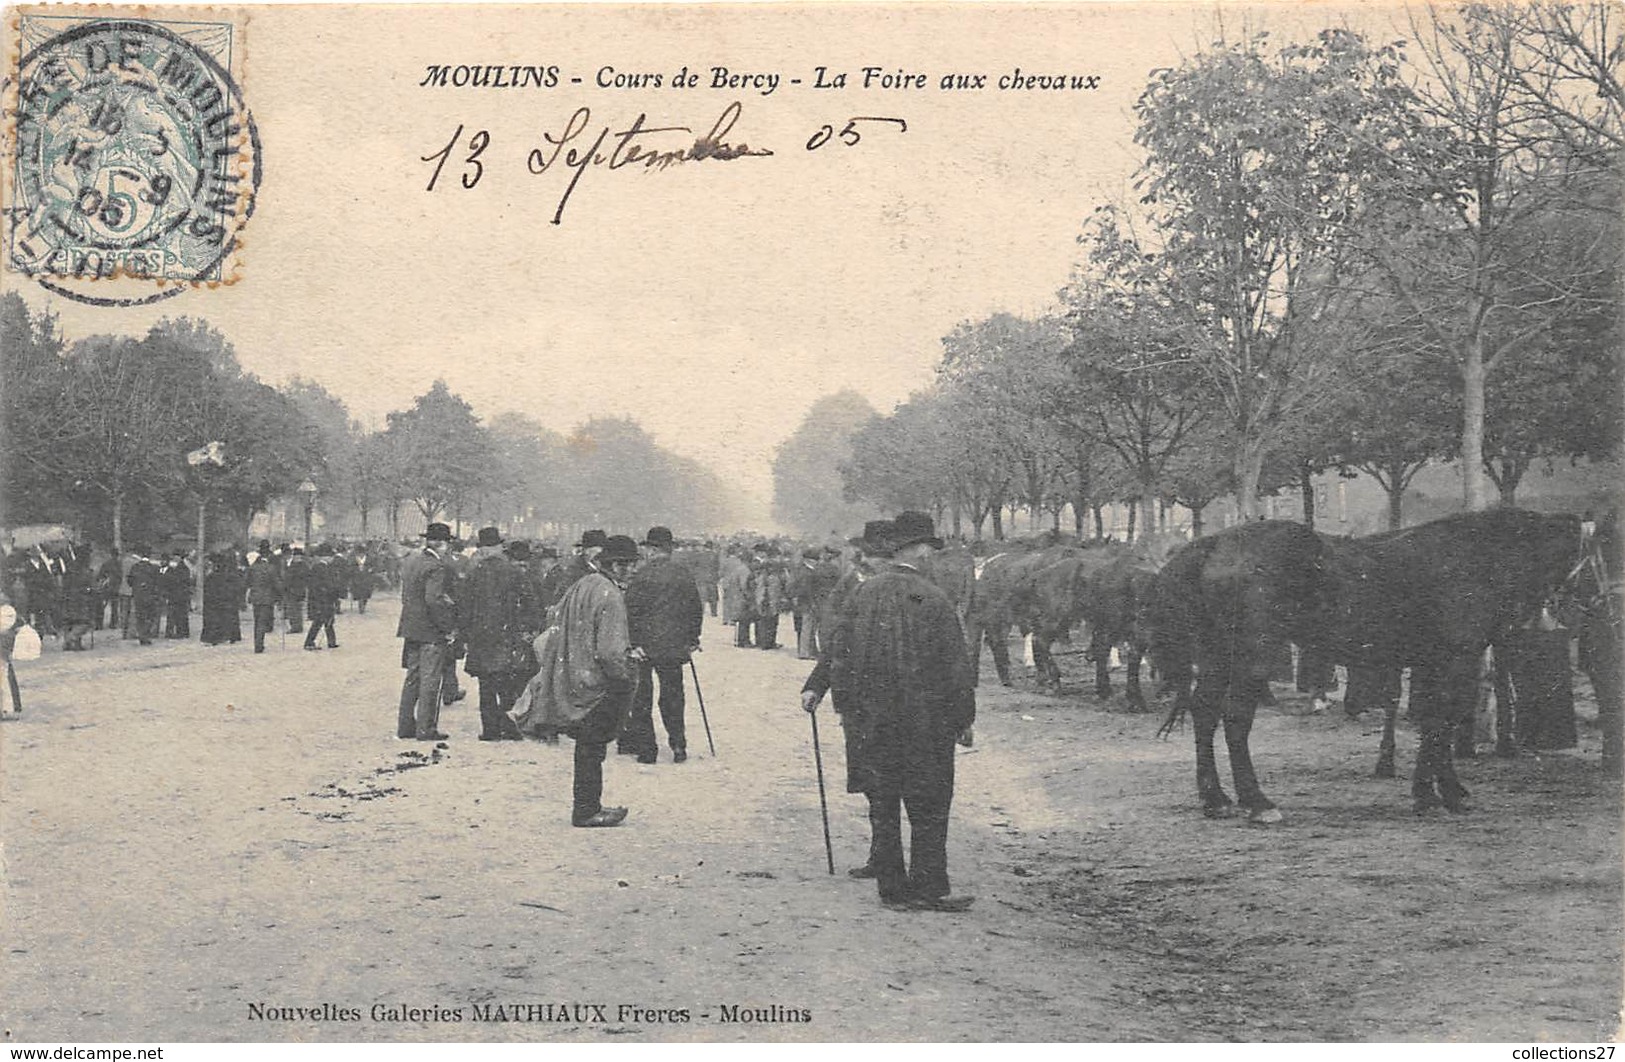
(73, 590)
(589, 644)
(582, 650)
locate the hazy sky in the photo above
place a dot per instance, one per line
(713, 301)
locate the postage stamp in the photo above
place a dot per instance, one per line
(136, 160)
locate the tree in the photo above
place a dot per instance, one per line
(807, 488)
(443, 449)
(330, 434)
(127, 419)
(1471, 212)
(1131, 386)
(1256, 162)
(1002, 372)
(33, 425)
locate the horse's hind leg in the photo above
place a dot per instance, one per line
(1238, 725)
(1100, 651)
(1216, 804)
(1460, 701)
(998, 640)
(1384, 689)
(1440, 696)
(1132, 653)
(1045, 671)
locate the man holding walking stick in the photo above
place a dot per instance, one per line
(871, 544)
(663, 617)
(901, 658)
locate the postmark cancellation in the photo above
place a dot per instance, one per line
(133, 157)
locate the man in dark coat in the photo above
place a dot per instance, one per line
(146, 596)
(264, 591)
(563, 576)
(598, 672)
(362, 574)
(176, 587)
(295, 580)
(489, 622)
(428, 617)
(901, 654)
(663, 617)
(79, 598)
(873, 543)
(324, 582)
(108, 579)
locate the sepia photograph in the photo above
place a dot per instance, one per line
(877, 522)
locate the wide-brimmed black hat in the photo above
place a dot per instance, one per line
(519, 550)
(489, 536)
(437, 532)
(659, 537)
(619, 548)
(911, 528)
(876, 537)
(595, 537)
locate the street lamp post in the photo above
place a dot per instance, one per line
(307, 494)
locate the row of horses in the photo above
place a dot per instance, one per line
(1215, 616)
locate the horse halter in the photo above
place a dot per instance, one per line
(1591, 560)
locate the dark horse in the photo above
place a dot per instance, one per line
(1430, 598)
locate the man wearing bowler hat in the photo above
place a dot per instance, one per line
(428, 617)
(901, 655)
(873, 543)
(490, 621)
(663, 617)
(264, 591)
(564, 576)
(600, 669)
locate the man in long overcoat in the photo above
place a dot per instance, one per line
(264, 591)
(489, 610)
(295, 579)
(902, 656)
(599, 670)
(176, 585)
(663, 616)
(324, 582)
(428, 618)
(146, 596)
(873, 543)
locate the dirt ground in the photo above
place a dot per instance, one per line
(192, 834)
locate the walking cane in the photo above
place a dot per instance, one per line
(823, 802)
(703, 718)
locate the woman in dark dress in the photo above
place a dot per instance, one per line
(222, 594)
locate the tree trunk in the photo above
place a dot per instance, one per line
(1100, 522)
(118, 521)
(1506, 483)
(1473, 493)
(1396, 500)
(1249, 466)
(1196, 521)
(363, 524)
(1148, 510)
(1306, 486)
(1133, 512)
(998, 523)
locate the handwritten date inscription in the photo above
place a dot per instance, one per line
(582, 145)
